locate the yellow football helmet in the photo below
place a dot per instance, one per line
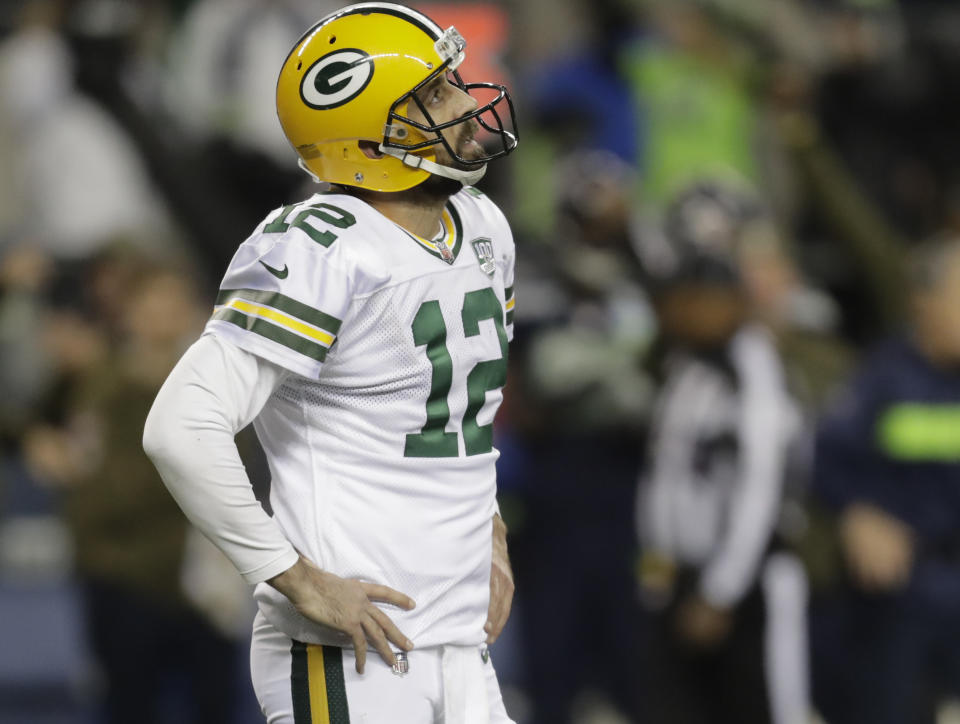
(351, 78)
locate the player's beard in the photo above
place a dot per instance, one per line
(436, 186)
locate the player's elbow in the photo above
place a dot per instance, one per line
(157, 436)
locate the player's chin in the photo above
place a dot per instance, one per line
(471, 166)
(467, 153)
(472, 149)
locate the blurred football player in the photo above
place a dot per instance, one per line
(364, 331)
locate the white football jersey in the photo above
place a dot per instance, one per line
(380, 442)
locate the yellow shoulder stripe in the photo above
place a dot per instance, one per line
(282, 319)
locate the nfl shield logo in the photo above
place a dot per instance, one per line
(400, 664)
(484, 251)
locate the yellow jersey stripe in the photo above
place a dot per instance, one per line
(426, 244)
(511, 303)
(449, 233)
(282, 319)
(447, 222)
(319, 706)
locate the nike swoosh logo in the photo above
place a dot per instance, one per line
(278, 273)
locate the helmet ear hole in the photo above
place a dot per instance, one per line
(370, 149)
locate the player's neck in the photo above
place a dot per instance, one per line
(418, 210)
(422, 219)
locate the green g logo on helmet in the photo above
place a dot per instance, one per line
(336, 78)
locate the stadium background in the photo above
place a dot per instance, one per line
(139, 146)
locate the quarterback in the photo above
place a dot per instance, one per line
(364, 332)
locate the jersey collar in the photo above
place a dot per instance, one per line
(446, 245)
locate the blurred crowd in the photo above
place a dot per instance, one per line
(730, 443)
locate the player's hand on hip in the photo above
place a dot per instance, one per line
(346, 605)
(501, 583)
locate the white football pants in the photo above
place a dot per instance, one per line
(299, 683)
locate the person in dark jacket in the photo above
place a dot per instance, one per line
(888, 461)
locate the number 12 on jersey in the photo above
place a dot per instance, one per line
(429, 330)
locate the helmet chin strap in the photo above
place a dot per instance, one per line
(306, 169)
(467, 178)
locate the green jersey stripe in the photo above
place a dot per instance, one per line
(458, 229)
(284, 304)
(273, 333)
(510, 317)
(508, 294)
(336, 689)
(300, 684)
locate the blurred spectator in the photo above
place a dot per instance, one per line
(728, 640)
(222, 77)
(574, 403)
(849, 243)
(26, 370)
(583, 354)
(692, 83)
(78, 178)
(133, 554)
(890, 115)
(58, 322)
(887, 462)
(580, 97)
(731, 92)
(576, 99)
(90, 75)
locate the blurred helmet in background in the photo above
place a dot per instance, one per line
(710, 217)
(595, 192)
(698, 237)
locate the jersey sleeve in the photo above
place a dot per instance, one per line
(509, 273)
(510, 300)
(288, 288)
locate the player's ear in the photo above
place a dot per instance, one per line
(370, 149)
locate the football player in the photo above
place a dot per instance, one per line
(364, 331)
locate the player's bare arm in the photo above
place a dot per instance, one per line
(346, 605)
(501, 583)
